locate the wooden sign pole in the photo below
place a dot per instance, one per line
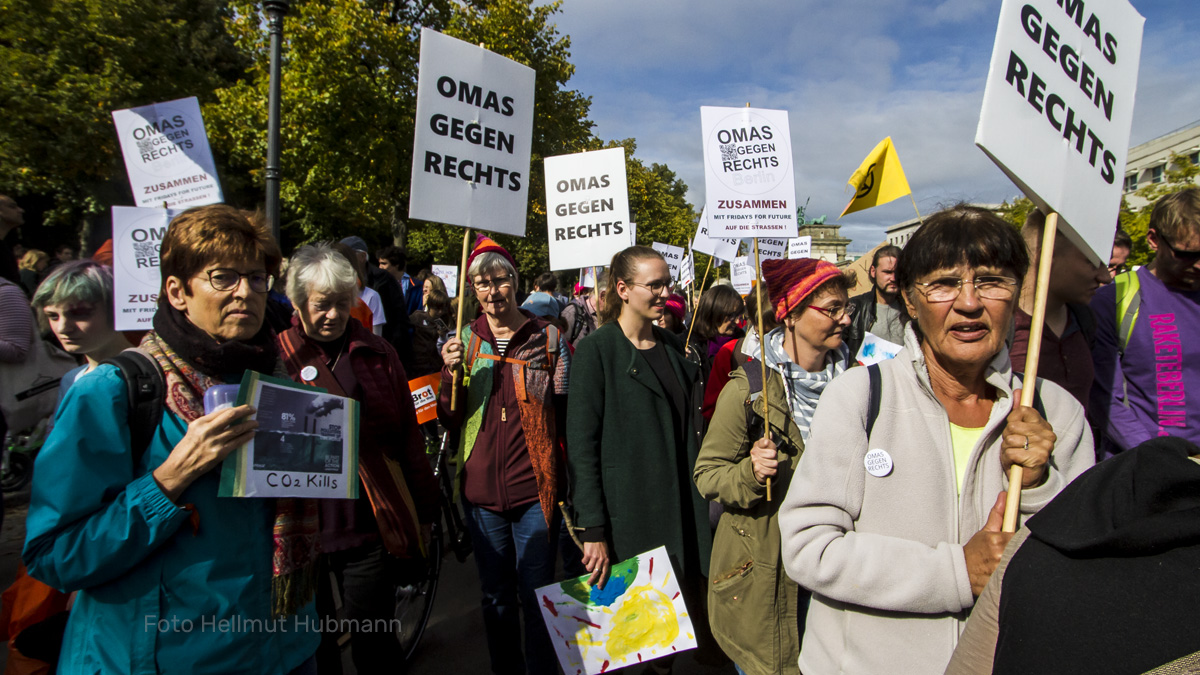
(688, 341)
(462, 301)
(1045, 259)
(762, 352)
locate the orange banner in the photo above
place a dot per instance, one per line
(425, 392)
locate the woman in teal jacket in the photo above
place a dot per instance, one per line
(171, 578)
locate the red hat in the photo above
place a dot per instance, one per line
(789, 282)
(485, 244)
(675, 305)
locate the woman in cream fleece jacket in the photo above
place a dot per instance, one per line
(895, 553)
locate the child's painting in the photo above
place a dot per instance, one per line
(638, 616)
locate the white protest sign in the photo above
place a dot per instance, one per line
(716, 247)
(672, 254)
(587, 277)
(876, 350)
(741, 274)
(167, 155)
(800, 247)
(449, 276)
(474, 127)
(687, 272)
(769, 248)
(137, 236)
(632, 234)
(587, 208)
(749, 189)
(1058, 107)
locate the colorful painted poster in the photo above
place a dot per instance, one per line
(639, 616)
(449, 276)
(875, 349)
(306, 444)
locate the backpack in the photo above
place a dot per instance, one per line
(472, 351)
(582, 320)
(146, 387)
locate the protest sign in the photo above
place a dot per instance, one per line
(672, 254)
(741, 274)
(769, 248)
(875, 349)
(424, 394)
(166, 154)
(687, 271)
(137, 236)
(449, 276)
(632, 235)
(749, 189)
(474, 125)
(799, 247)
(587, 277)
(587, 208)
(306, 444)
(637, 617)
(716, 247)
(1058, 106)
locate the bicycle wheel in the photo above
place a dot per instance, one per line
(414, 602)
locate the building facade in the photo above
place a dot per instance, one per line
(1147, 163)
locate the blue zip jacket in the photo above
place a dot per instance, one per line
(156, 595)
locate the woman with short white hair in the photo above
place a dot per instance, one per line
(391, 517)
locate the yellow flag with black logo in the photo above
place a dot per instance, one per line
(878, 180)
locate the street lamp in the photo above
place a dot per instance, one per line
(275, 10)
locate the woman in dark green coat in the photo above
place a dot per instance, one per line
(633, 431)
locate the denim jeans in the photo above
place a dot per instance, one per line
(515, 554)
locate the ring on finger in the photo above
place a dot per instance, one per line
(1026, 443)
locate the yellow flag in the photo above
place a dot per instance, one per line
(878, 180)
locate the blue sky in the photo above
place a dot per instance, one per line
(849, 72)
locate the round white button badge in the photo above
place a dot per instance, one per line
(308, 373)
(878, 463)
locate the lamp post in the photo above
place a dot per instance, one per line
(275, 10)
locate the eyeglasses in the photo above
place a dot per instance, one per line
(836, 312)
(655, 287)
(1183, 256)
(987, 287)
(486, 285)
(225, 279)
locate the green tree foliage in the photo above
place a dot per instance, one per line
(65, 66)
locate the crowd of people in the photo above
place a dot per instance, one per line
(821, 516)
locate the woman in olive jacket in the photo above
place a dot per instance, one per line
(752, 604)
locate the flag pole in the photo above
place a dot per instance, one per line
(762, 355)
(914, 203)
(688, 341)
(462, 301)
(1045, 259)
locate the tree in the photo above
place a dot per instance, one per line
(68, 65)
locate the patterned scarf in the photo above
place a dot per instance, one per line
(803, 388)
(297, 528)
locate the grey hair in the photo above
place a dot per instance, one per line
(318, 268)
(489, 262)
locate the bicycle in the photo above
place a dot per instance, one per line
(414, 602)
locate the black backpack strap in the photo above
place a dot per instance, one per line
(146, 388)
(752, 368)
(874, 394)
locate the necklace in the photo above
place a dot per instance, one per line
(341, 350)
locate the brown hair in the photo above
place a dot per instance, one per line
(206, 234)
(623, 267)
(846, 281)
(1177, 216)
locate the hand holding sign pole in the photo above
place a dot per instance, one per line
(1057, 111)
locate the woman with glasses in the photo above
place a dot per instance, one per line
(511, 393)
(163, 565)
(893, 517)
(752, 603)
(719, 317)
(633, 433)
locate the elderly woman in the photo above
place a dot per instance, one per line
(893, 517)
(511, 394)
(360, 538)
(76, 300)
(752, 603)
(160, 562)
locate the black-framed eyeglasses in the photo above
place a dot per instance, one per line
(226, 279)
(988, 287)
(836, 312)
(486, 285)
(1182, 255)
(655, 287)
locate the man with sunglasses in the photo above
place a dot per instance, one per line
(1145, 353)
